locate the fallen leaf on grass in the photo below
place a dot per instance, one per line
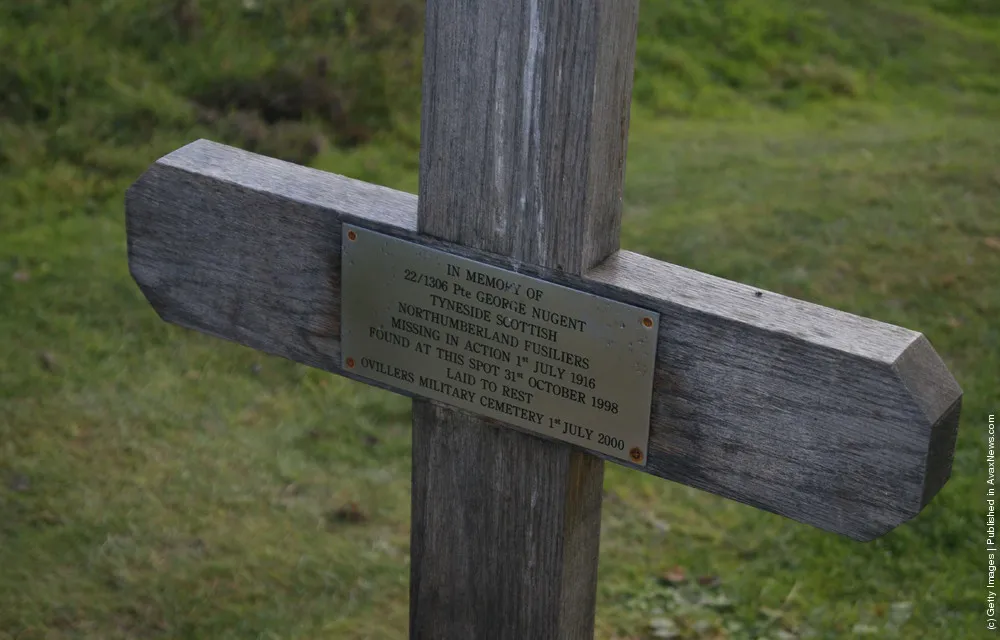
(992, 243)
(676, 575)
(709, 581)
(350, 513)
(21, 276)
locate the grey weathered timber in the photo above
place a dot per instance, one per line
(841, 422)
(523, 136)
(505, 531)
(525, 121)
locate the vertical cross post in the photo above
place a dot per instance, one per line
(525, 120)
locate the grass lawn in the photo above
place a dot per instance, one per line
(157, 483)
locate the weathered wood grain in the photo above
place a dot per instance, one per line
(524, 128)
(505, 531)
(841, 422)
(525, 122)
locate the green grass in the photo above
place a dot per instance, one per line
(157, 483)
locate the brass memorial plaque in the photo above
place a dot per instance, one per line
(561, 363)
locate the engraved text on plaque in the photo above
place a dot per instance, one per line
(555, 361)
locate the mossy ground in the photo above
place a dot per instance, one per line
(157, 483)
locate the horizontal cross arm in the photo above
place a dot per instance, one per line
(838, 421)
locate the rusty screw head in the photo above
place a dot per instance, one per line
(647, 322)
(350, 363)
(636, 454)
(351, 235)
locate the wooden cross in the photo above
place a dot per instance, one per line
(837, 421)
